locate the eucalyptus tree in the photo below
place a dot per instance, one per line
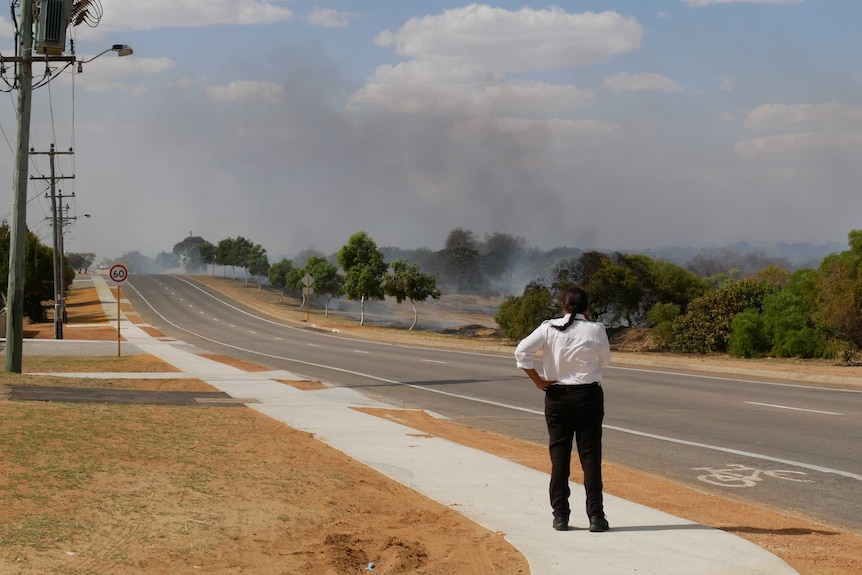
(242, 253)
(461, 258)
(406, 281)
(500, 254)
(326, 281)
(257, 264)
(167, 261)
(363, 267)
(224, 255)
(284, 275)
(207, 254)
(81, 261)
(189, 251)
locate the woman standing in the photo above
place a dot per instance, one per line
(574, 352)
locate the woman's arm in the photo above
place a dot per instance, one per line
(541, 383)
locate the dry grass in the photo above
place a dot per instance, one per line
(121, 489)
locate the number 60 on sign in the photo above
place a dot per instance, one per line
(119, 273)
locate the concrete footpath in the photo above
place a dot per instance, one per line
(496, 493)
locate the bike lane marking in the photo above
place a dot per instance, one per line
(793, 408)
(736, 475)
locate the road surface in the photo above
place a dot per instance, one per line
(791, 446)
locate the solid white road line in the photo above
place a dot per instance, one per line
(793, 408)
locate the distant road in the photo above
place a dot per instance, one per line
(789, 446)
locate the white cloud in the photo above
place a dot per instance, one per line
(421, 87)
(136, 15)
(779, 116)
(122, 87)
(798, 142)
(460, 58)
(184, 83)
(328, 18)
(241, 91)
(503, 41)
(639, 82)
(109, 73)
(725, 83)
(711, 2)
(807, 128)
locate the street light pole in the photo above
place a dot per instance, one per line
(18, 223)
(18, 226)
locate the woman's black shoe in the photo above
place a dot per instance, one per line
(561, 523)
(598, 524)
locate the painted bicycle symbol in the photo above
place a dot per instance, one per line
(735, 475)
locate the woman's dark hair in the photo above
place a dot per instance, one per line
(574, 300)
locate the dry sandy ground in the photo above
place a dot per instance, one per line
(153, 490)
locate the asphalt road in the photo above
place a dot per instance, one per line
(790, 446)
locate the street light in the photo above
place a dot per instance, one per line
(17, 236)
(120, 49)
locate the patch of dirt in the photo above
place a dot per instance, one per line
(152, 490)
(473, 330)
(636, 339)
(303, 385)
(155, 490)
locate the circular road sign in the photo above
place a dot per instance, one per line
(119, 273)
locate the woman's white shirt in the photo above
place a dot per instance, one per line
(571, 357)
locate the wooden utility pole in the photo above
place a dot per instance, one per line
(18, 225)
(57, 223)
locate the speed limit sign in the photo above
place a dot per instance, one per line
(119, 273)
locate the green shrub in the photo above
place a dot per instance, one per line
(662, 335)
(747, 335)
(705, 327)
(661, 317)
(662, 313)
(519, 316)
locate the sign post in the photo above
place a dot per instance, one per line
(119, 273)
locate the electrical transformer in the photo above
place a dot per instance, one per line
(52, 22)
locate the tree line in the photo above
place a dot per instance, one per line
(38, 274)
(466, 264)
(366, 275)
(720, 301)
(774, 312)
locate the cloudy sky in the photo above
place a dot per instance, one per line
(612, 124)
